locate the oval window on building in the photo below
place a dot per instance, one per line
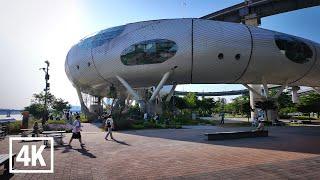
(294, 49)
(149, 52)
(101, 37)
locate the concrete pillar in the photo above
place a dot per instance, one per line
(317, 89)
(252, 20)
(255, 98)
(294, 94)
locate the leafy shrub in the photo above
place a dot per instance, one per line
(57, 122)
(304, 118)
(123, 123)
(14, 127)
(83, 119)
(138, 126)
(284, 116)
(59, 127)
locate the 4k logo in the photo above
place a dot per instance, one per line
(30, 155)
(23, 155)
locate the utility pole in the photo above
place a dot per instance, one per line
(45, 112)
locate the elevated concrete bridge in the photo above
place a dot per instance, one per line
(251, 11)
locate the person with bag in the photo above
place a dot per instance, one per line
(109, 126)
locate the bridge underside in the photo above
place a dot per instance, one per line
(258, 9)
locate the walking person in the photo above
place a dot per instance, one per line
(109, 126)
(222, 118)
(76, 131)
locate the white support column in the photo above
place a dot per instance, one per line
(83, 105)
(84, 108)
(317, 89)
(160, 85)
(265, 88)
(255, 96)
(280, 90)
(129, 88)
(294, 94)
(171, 92)
(255, 89)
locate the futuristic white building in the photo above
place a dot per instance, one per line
(189, 51)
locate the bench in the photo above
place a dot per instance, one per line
(4, 160)
(236, 135)
(57, 136)
(25, 132)
(3, 131)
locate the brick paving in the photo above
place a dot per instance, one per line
(289, 153)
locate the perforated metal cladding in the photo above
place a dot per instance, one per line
(221, 51)
(107, 57)
(221, 54)
(269, 63)
(82, 68)
(66, 66)
(312, 78)
(86, 78)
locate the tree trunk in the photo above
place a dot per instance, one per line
(266, 114)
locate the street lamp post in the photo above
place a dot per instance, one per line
(45, 113)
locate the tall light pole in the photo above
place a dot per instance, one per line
(45, 113)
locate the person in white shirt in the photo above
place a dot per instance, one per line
(109, 126)
(145, 116)
(261, 123)
(76, 131)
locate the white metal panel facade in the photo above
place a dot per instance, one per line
(250, 54)
(268, 63)
(211, 38)
(109, 65)
(312, 78)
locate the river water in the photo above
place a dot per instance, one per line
(12, 116)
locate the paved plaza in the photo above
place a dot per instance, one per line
(289, 153)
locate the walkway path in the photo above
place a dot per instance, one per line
(289, 153)
(88, 127)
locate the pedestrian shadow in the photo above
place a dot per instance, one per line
(82, 151)
(26, 141)
(6, 176)
(121, 142)
(66, 149)
(86, 152)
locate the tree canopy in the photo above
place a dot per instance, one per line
(55, 105)
(309, 103)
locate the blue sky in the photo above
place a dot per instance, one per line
(37, 30)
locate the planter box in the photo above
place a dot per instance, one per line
(236, 135)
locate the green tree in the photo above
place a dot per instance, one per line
(37, 104)
(191, 100)
(219, 105)
(284, 102)
(36, 109)
(40, 98)
(180, 102)
(239, 105)
(205, 105)
(245, 108)
(309, 103)
(59, 105)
